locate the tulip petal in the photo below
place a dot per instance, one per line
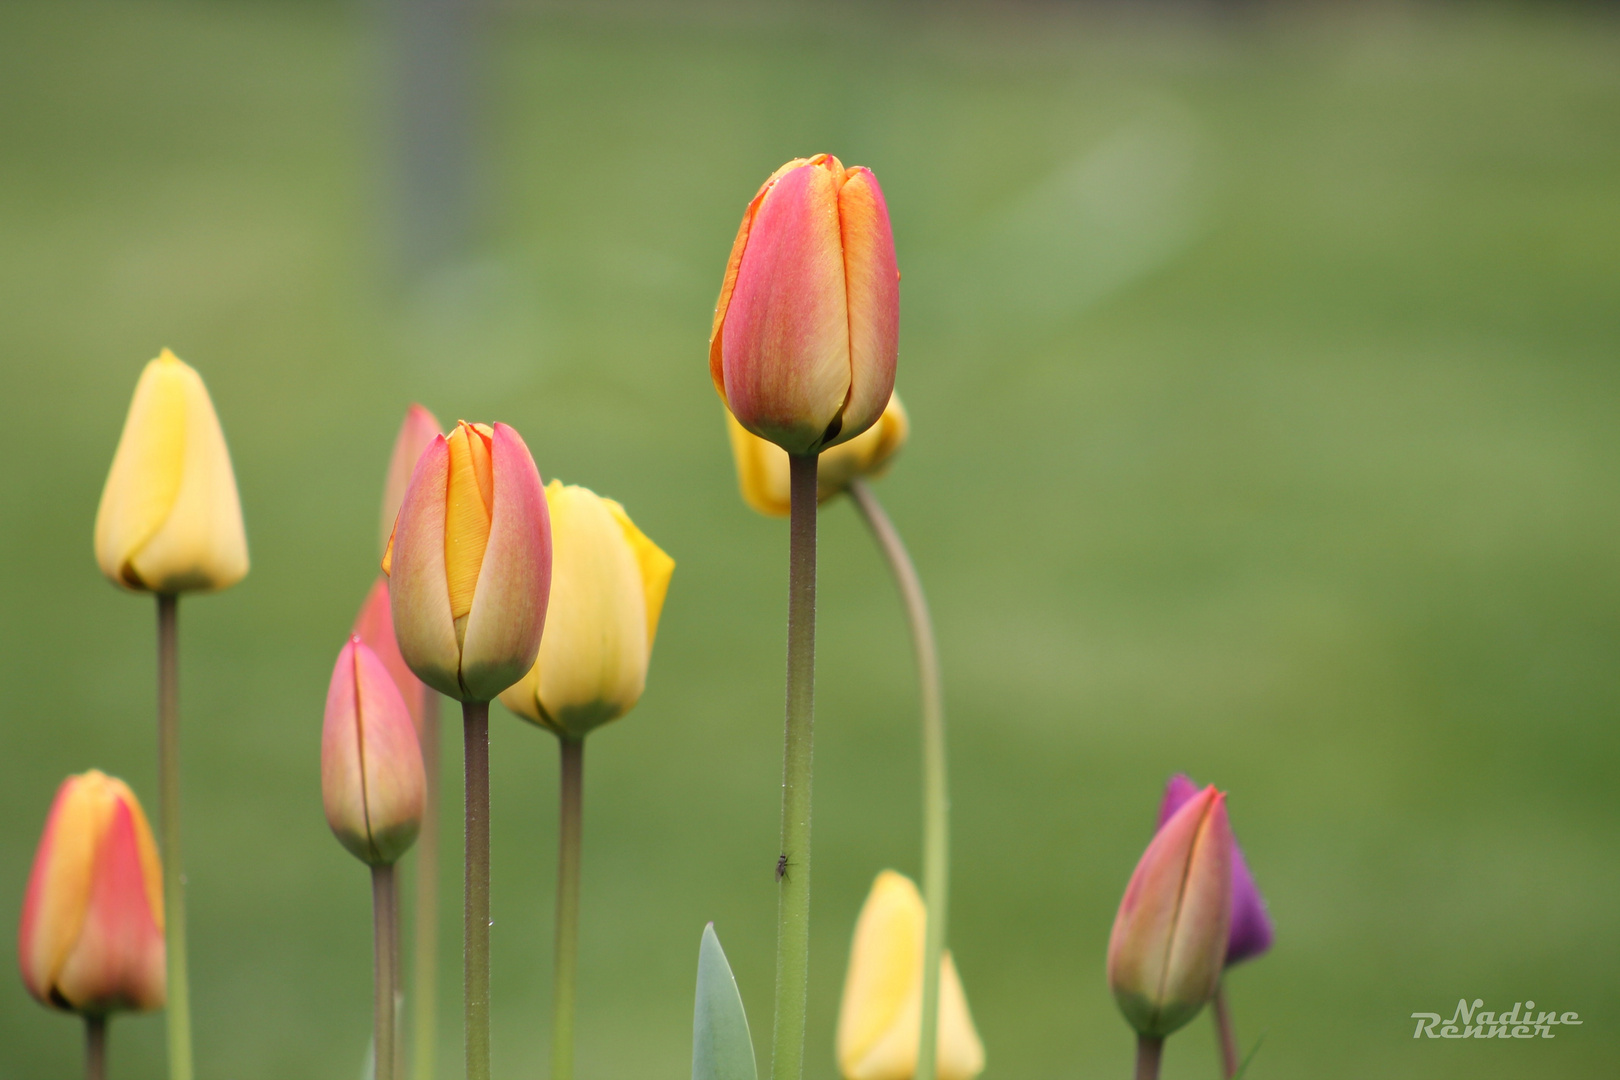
(59, 884)
(1251, 932)
(417, 589)
(393, 777)
(509, 608)
(117, 962)
(883, 983)
(469, 498)
(375, 626)
(762, 470)
(144, 480)
(419, 428)
(654, 566)
(872, 280)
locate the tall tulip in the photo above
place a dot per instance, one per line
(170, 522)
(91, 938)
(608, 584)
(469, 571)
(881, 1014)
(762, 466)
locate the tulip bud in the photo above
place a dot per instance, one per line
(807, 327)
(91, 939)
(880, 1020)
(469, 564)
(762, 467)
(1169, 938)
(419, 428)
(170, 520)
(1251, 931)
(607, 589)
(372, 780)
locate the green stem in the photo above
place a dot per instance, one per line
(475, 941)
(569, 840)
(425, 976)
(174, 878)
(936, 793)
(95, 1047)
(1224, 1033)
(1149, 1051)
(793, 891)
(385, 946)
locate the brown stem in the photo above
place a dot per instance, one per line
(1149, 1051)
(95, 1047)
(475, 900)
(178, 1010)
(385, 944)
(1224, 1033)
(569, 838)
(425, 977)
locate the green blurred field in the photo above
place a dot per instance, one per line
(1265, 375)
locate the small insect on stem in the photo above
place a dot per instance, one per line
(781, 866)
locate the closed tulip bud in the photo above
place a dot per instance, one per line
(469, 564)
(1169, 940)
(170, 520)
(419, 428)
(1251, 932)
(607, 589)
(375, 626)
(91, 939)
(372, 780)
(762, 467)
(880, 1020)
(807, 328)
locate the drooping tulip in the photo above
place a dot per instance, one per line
(416, 431)
(469, 564)
(91, 938)
(170, 520)
(374, 625)
(607, 590)
(807, 328)
(880, 1020)
(372, 781)
(1169, 939)
(1251, 931)
(762, 467)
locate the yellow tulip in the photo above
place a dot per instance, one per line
(607, 589)
(170, 520)
(762, 467)
(880, 1020)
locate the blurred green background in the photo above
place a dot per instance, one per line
(1263, 371)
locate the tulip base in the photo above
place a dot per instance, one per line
(178, 1009)
(425, 953)
(570, 831)
(385, 968)
(95, 1048)
(1149, 1052)
(475, 899)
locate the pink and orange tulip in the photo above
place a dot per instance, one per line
(372, 781)
(469, 564)
(807, 328)
(1169, 940)
(91, 938)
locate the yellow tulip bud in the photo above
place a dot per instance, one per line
(607, 589)
(170, 520)
(762, 467)
(880, 1020)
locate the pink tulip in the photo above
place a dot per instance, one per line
(419, 428)
(807, 328)
(372, 781)
(1251, 931)
(375, 626)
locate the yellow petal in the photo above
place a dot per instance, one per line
(144, 480)
(655, 566)
(59, 886)
(469, 498)
(762, 470)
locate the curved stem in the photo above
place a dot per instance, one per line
(1149, 1051)
(1224, 1033)
(936, 793)
(95, 1047)
(569, 840)
(475, 898)
(793, 876)
(385, 945)
(174, 878)
(425, 975)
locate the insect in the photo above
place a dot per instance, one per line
(781, 866)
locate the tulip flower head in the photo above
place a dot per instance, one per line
(375, 626)
(807, 328)
(372, 781)
(880, 1020)
(418, 429)
(91, 939)
(1169, 939)
(762, 467)
(170, 520)
(1251, 932)
(469, 564)
(607, 589)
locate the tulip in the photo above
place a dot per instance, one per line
(607, 589)
(881, 1015)
(762, 467)
(806, 330)
(1251, 931)
(371, 765)
(170, 520)
(419, 428)
(1169, 939)
(91, 939)
(374, 625)
(469, 564)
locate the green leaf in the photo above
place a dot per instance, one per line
(722, 1049)
(1255, 1049)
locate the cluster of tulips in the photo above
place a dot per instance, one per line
(548, 598)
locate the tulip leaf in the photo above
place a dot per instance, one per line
(722, 1048)
(1255, 1049)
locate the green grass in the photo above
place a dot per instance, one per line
(1264, 383)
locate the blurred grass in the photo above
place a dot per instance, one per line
(1263, 373)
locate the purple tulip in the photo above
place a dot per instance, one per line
(1251, 931)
